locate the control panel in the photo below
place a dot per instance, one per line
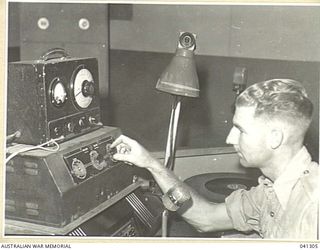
(91, 159)
(74, 124)
(81, 179)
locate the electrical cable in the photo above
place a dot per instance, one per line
(40, 146)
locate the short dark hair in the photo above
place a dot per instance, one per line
(281, 99)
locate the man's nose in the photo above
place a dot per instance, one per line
(232, 137)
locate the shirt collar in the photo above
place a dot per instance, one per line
(285, 182)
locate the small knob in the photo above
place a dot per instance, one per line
(110, 152)
(87, 88)
(70, 126)
(92, 120)
(57, 130)
(82, 122)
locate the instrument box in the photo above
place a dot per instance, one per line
(56, 192)
(52, 98)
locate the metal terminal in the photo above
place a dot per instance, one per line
(135, 179)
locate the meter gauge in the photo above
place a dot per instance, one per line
(97, 161)
(82, 85)
(78, 169)
(57, 92)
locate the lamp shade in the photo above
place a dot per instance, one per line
(180, 77)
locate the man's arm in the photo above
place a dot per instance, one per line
(205, 216)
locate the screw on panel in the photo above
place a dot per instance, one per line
(134, 179)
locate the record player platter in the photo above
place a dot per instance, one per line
(217, 186)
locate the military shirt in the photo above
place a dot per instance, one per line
(284, 209)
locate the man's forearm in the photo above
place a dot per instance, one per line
(202, 214)
(163, 176)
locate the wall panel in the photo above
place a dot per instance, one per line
(64, 31)
(143, 112)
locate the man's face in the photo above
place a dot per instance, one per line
(249, 138)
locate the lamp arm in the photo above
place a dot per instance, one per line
(172, 133)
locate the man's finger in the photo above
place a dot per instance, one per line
(120, 157)
(117, 141)
(121, 139)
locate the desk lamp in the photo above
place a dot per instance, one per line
(179, 79)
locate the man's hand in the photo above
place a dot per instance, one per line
(202, 214)
(130, 151)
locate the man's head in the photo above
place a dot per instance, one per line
(268, 116)
(284, 100)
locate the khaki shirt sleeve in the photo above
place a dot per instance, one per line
(310, 217)
(308, 224)
(244, 208)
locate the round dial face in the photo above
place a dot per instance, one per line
(78, 169)
(83, 88)
(58, 93)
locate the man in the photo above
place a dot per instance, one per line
(270, 121)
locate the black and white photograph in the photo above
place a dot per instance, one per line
(161, 120)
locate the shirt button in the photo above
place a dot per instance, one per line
(272, 214)
(306, 171)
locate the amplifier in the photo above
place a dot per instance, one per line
(76, 188)
(61, 190)
(55, 96)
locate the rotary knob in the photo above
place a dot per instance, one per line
(70, 126)
(87, 88)
(110, 152)
(92, 120)
(82, 122)
(97, 161)
(78, 169)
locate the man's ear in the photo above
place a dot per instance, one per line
(275, 138)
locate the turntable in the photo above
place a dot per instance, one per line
(217, 186)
